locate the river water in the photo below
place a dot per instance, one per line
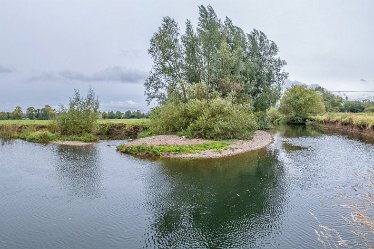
(292, 194)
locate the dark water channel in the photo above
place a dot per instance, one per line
(283, 196)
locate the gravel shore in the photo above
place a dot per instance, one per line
(259, 140)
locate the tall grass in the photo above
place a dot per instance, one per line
(361, 120)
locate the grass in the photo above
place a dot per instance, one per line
(42, 131)
(160, 150)
(361, 120)
(142, 121)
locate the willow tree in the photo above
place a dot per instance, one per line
(219, 54)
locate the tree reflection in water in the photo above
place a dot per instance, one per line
(213, 203)
(79, 170)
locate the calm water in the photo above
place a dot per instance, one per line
(280, 197)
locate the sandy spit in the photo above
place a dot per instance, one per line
(259, 140)
(72, 143)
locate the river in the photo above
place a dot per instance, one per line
(288, 195)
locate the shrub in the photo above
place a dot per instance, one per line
(299, 103)
(40, 137)
(217, 118)
(369, 109)
(275, 117)
(81, 115)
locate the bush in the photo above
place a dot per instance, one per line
(200, 118)
(369, 109)
(81, 116)
(275, 117)
(40, 137)
(299, 103)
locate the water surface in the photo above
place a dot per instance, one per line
(283, 196)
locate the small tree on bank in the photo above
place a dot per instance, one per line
(81, 115)
(299, 103)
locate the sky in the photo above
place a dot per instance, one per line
(48, 48)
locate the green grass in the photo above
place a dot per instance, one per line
(142, 121)
(362, 120)
(160, 150)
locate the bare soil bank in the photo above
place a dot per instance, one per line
(259, 140)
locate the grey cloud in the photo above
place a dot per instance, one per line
(116, 74)
(4, 69)
(363, 80)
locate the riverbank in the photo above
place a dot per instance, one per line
(358, 123)
(171, 146)
(43, 131)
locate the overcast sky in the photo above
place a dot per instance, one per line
(50, 47)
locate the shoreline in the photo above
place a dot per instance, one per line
(73, 143)
(260, 139)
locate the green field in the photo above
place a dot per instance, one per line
(101, 121)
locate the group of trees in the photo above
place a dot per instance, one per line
(123, 115)
(219, 54)
(201, 74)
(300, 102)
(32, 113)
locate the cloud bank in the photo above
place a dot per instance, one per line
(114, 74)
(4, 69)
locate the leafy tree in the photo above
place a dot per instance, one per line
(80, 116)
(166, 52)
(219, 54)
(31, 113)
(299, 103)
(353, 106)
(333, 103)
(47, 113)
(17, 113)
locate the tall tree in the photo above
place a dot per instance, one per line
(17, 113)
(166, 53)
(192, 55)
(31, 113)
(265, 74)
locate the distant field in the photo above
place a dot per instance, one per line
(101, 121)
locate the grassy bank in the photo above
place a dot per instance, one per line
(160, 150)
(360, 120)
(43, 131)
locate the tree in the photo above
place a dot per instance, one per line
(166, 52)
(80, 116)
(219, 54)
(17, 113)
(299, 103)
(31, 113)
(333, 103)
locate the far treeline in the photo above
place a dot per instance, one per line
(48, 113)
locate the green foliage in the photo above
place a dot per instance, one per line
(333, 103)
(17, 113)
(369, 109)
(159, 150)
(299, 103)
(81, 115)
(40, 137)
(353, 106)
(275, 116)
(213, 119)
(218, 53)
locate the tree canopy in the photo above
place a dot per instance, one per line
(217, 53)
(299, 102)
